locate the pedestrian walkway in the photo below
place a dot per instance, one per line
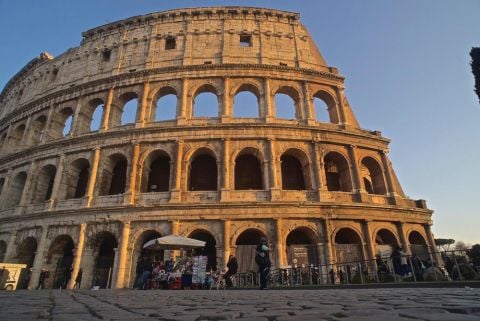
(442, 304)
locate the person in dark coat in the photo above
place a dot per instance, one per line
(41, 280)
(78, 279)
(262, 258)
(232, 266)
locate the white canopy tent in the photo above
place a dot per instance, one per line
(173, 242)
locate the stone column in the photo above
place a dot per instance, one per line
(329, 243)
(56, 182)
(44, 134)
(120, 280)
(280, 255)
(227, 103)
(27, 189)
(269, 112)
(77, 261)
(175, 227)
(388, 174)
(182, 112)
(403, 238)
(93, 175)
(6, 144)
(310, 118)
(433, 249)
(9, 251)
(76, 118)
(372, 262)
(6, 188)
(316, 168)
(274, 175)
(340, 106)
(26, 132)
(175, 195)
(225, 189)
(140, 122)
(107, 110)
(39, 260)
(132, 186)
(226, 242)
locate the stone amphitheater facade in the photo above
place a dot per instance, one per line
(323, 190)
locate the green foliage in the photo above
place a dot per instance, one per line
(467, 272)
(474, 254)
(475, 54)
(444, 244)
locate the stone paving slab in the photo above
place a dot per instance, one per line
(424, 304)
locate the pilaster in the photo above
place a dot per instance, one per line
(77, 261)
(120, 280)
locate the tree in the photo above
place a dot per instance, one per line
(444, 244)
(474, 254)
(475, 54)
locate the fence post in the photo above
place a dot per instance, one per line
(456, 265)
(412, 269)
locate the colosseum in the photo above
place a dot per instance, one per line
(118, 141)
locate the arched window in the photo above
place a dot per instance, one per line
(114, 175)
(285, 106)
(59, 259)
(372, 176)
(97, 115)
(292, 173)
(205, 103)
(157, 172)
(36, 131)
(209, 250)
(166, 107)
(77, 179)
(15, 139)
(203, 173)
(325, 109)
(337, 173)
(15, 190)
(301, 247)
(348, 246)
(61, 124)
(67, 127)
(129, 111)
(104, 249)
(321, 110)
(248, 173)
(246, 243)
(245, 105)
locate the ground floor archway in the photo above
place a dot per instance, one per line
(302, 248)
(385, 242)
(59, 261)
(141, 255)
(418, 245)
(209, 250)
(246, 243)
(26, 255)
(348, 246)
(104, 249)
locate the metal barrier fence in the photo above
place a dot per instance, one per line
(455, 266)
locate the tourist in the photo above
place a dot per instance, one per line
(262, 258)
(147, 273)
(232, 266)
(397, 266)
(41, 280)
(78, 279)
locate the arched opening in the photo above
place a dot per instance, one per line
(59, 261)
(203, 172)
(325, 110)
(15, 191)
(67, 127)
(293, 175)
(129, 109)
(105, 245)
(15, 139)
(248, 172)
(372, 176)
(156, 172)
(386, 242)
(302, 248)
(141, 255)
(114, 175)
(26, 255)
(96, 119)
(337, 173)
(418, 245)
(3, 249)
(209, 250)
(285, 106)
(246, 243)
(44, 185)
(61, 123)
(36, 130)
(245, 102)
(77, 178)
(205, 103)
(166, 105)
(348, 246)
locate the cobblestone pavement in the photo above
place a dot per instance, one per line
(448, 304)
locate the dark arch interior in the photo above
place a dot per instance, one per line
(159, 175)
(203, 173)
(385, 237)
(416, 238)
(119, 177)
(347, 236)
(292, 173)
(60, 257)
(26, 251)
(3, 249)
(82, 181)
(301, 247)
(106, 245)
(209, 249)
(250, 237)
(337, 173)
(299, 236)
(248, 174)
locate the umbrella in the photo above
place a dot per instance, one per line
(173, 242)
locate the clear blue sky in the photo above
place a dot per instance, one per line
(407, 74)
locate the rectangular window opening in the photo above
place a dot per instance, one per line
(170, 43)
(106, 54)
(207, 62)
(245, 41)
(283, 64)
